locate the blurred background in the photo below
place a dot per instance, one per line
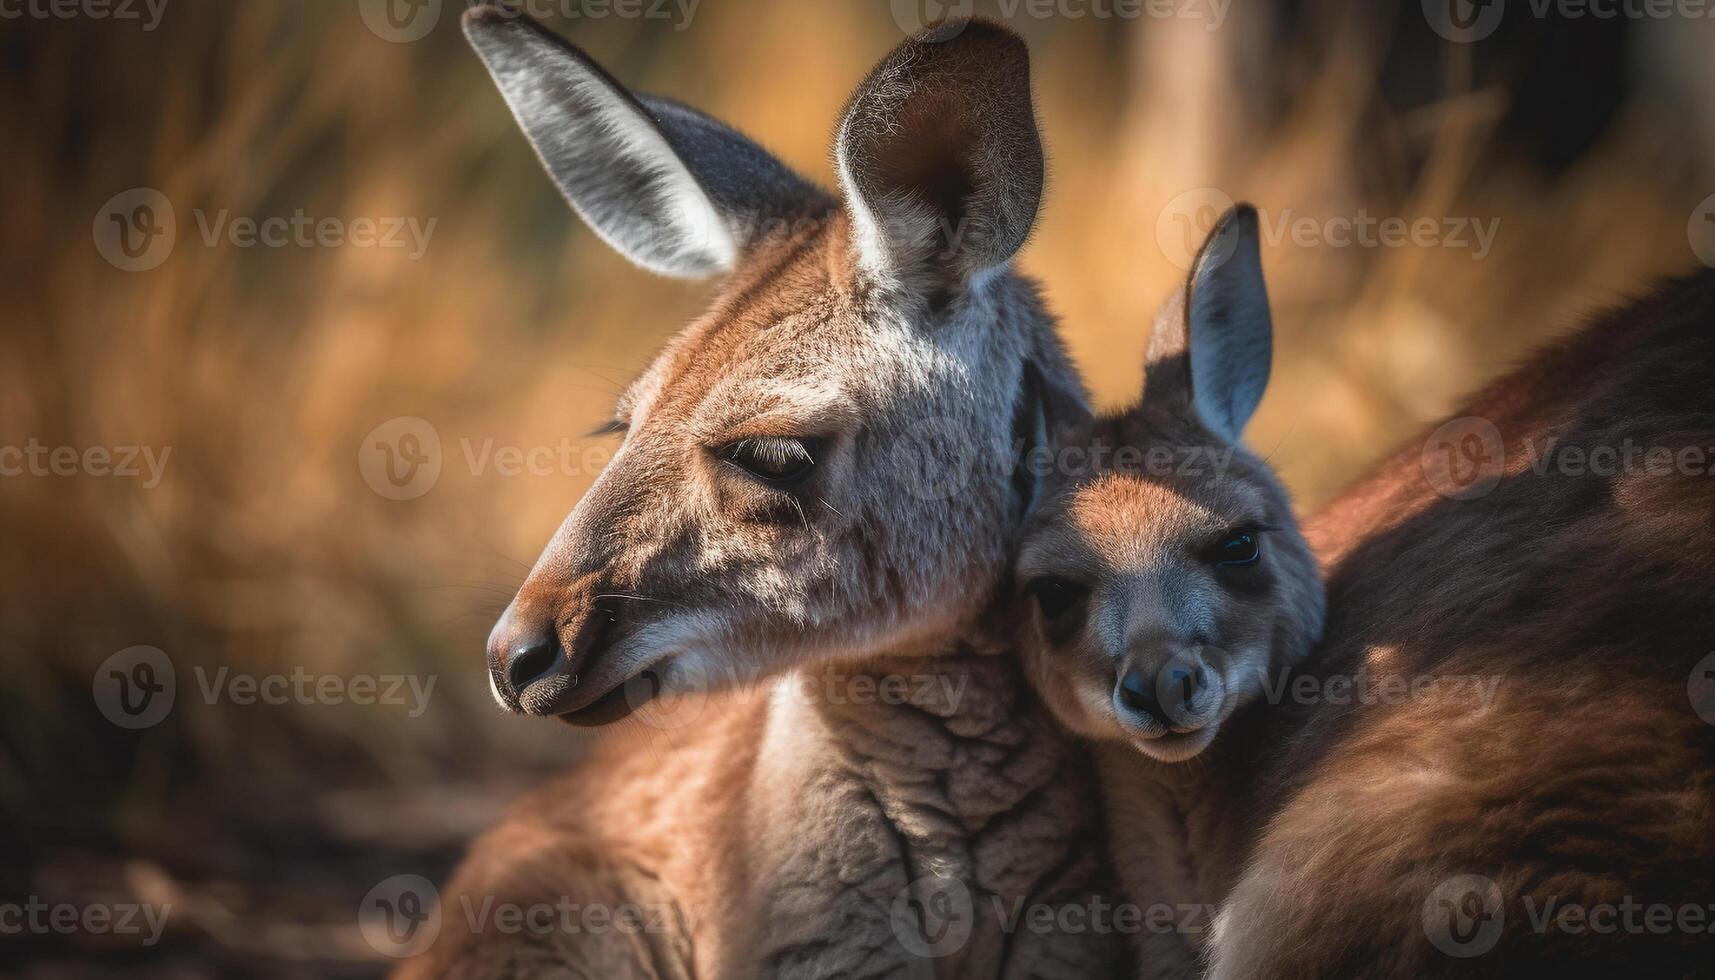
(430, 296)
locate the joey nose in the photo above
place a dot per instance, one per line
(1137, 692)
(1164, 696)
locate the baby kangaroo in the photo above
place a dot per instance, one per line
(1166, 589)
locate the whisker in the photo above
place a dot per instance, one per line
(639, 598)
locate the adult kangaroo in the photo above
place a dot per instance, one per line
(1526, 786)
(811, 510)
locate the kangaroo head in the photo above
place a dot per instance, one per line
(808, 471)
(1163, 574)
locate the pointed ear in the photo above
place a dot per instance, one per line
(1050, 412)
(940, 159)
(1213, 341)
(674, 191)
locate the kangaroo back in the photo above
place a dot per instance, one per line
(1532, 585)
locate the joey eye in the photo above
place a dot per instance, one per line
(1237, 549)
(772, 459)
(1056, 596)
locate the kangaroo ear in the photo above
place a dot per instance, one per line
(939, 156)
(674, 191)
(1214, 339)
(1050, 411)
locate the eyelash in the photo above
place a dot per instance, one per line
(778, 461)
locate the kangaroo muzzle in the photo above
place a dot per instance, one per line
(547, 643)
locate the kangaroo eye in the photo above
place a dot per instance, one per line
(773, 460)
(1237, 549)
(1055, 595)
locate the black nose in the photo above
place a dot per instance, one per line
(531, 657)
(1177, 684)
(1137, 690)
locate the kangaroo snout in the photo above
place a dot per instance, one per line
(540, 652)
(1154, 696)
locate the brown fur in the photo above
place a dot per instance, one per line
(785, 824)
(1588, 600)
(1132, 529)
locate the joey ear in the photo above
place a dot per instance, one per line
(1050, 413)
(939, 156)
(673, 190)
(1213, 340)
